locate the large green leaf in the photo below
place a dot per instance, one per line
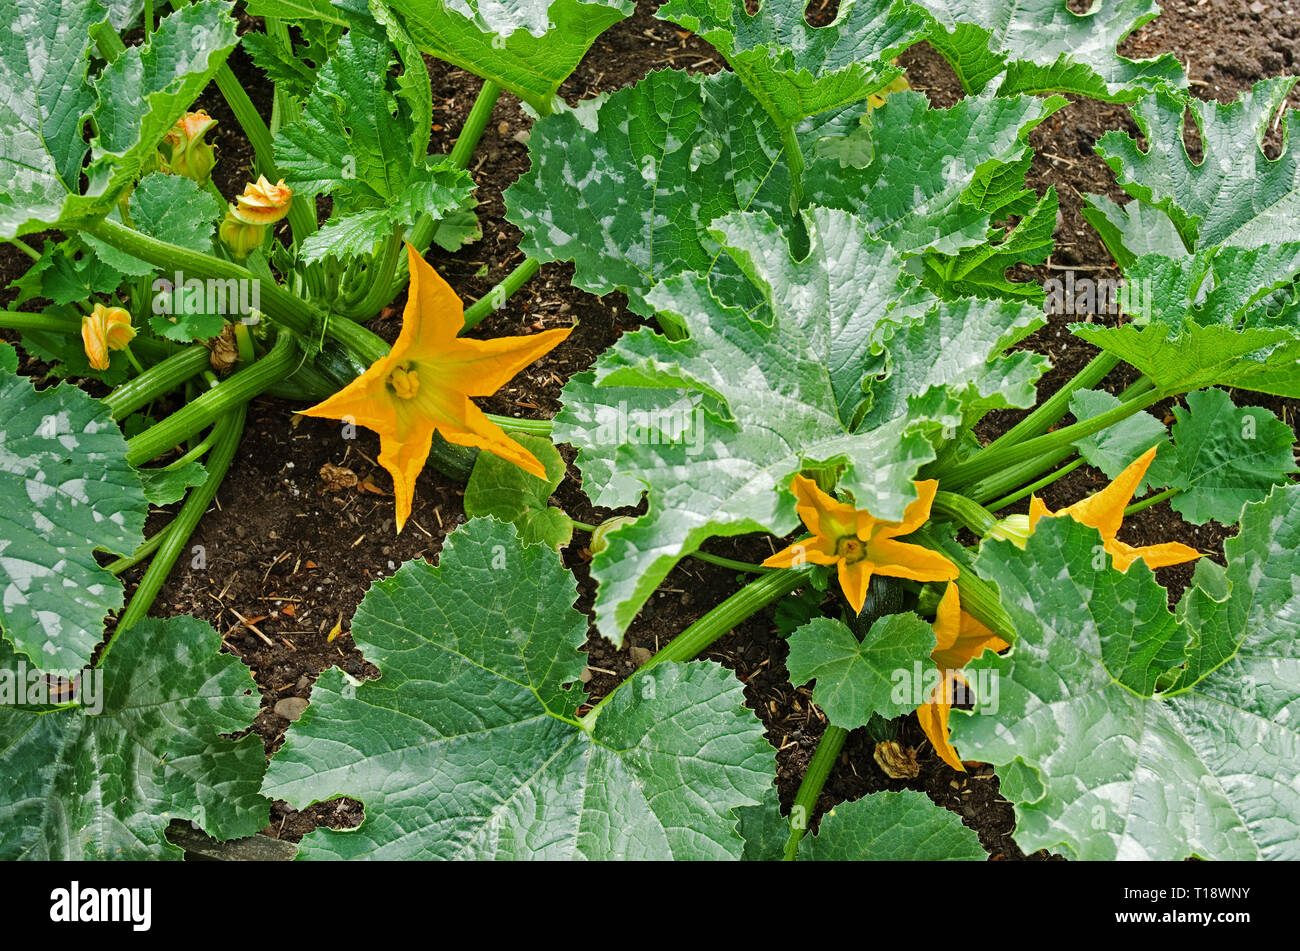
(175, 209)
(65, 491)
(1133, 230)
(1114, 448)
(627, 189)
(855, 310)
(797, 70)
(1220, 285)
(1210, 318)
(353, 141)
(504, 491)
(436, 188)
(101, 780)
(1223, 457)
(857, 678)
(146, 89)
(962, 346)
(981, 271)
(43, 66)
(1047, 47)
(468, 747)
(903, 826)
(1094, 757)
(1192, 356)
(1236, 195)
(527, 46)
(976, 156)
(714, 427)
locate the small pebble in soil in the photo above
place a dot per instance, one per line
(290, 708)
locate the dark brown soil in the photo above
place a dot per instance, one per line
(287, 559)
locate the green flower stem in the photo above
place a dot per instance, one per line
(244, 342)
(810, 789)
(979, 599)
(529, 427)
(479, 116)
(159, 379)
(722, 562)
(738, 608)
(195, 453)
(719, 560)
(1014, 477)
(229, 428)
(1057, 405)
(990, 461)
(1139, 386)
(41, 323)
(107, 41)
(1152, 500)
(1029, 489)
(127, 562)
(131, 359)
(24, 247)
(793, 160)
(496, 298)
(971, 514)
(277, 303)
(204, 410)
(302, 214)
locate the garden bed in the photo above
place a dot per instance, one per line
(288, 553)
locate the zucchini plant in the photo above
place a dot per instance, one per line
(821, 259)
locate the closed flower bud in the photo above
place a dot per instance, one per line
(185, 152)
(263, 203)
(1014, 528)
(105, 329)
(598, 540)
(240, 236)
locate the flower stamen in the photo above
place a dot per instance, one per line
(405, 382)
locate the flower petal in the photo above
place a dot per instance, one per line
(933, 718)
(854, 580)
(481, 367)
(917, 512)
(433, 314)
(903, 560)
(1104, 510)
(1156, 556)
(824, 515)
(404, 459)
(478, 430)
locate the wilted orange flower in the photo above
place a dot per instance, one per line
(861, 544)
(105, 329)
(263, 203)
(425, 382)
(1104, 511)
(960, 639)
(189, 154)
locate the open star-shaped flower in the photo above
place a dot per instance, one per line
(860, 544)
(960, 638)
(425, 382)
(1104, 511)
